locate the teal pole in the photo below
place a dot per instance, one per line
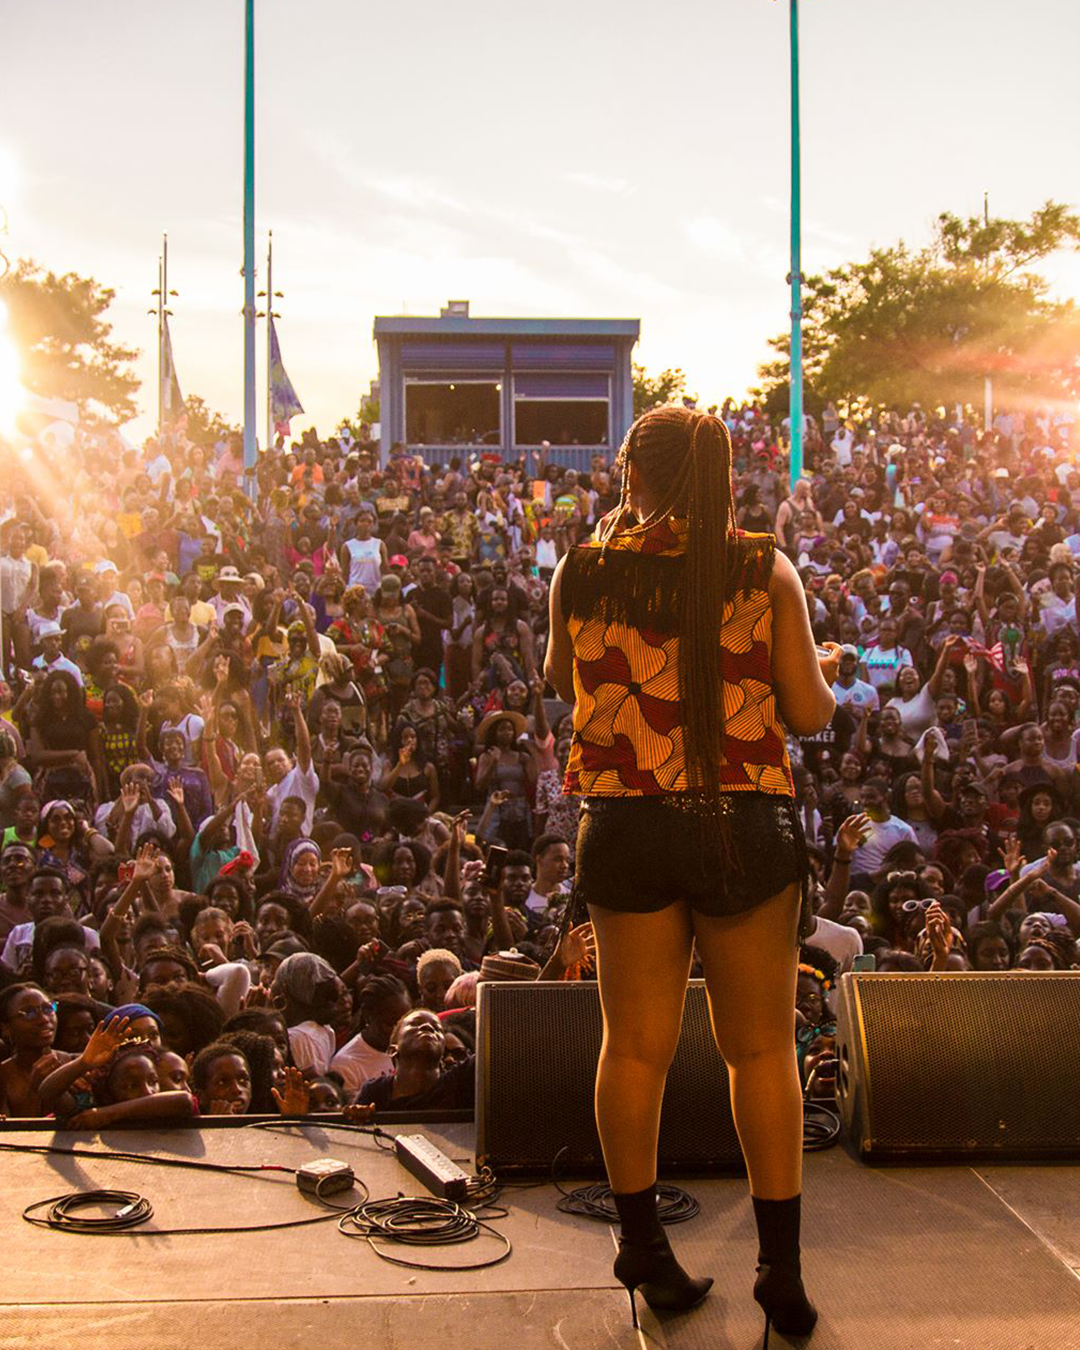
(796, 387)
(249, 251)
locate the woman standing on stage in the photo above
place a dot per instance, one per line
(689, 831)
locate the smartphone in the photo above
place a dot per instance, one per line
(866, 962)
(125, 871)
(496, 857)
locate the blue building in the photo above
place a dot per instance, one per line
(457, 386)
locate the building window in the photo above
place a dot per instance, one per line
(461, 412)
(561, 421)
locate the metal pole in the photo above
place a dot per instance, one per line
(269, 321)
(249, 250)
(161, 277)
(796, 387)
(988, 384)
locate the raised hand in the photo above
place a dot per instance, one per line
(939, 930)
(147, 699)
(105, 1041)
(1011, 856)
(971, 663)
(341, 863)
(176, 790)
(296, 1099)
(145, 863)
(853, 832)
(129, 798)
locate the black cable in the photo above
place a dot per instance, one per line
(673, 1204)
(821, 1125)
(419, 1222)
(131, 1210)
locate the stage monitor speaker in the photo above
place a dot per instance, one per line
(959, 1064)
(537, 1048)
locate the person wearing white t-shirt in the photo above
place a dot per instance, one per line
(292, 778)
(886, 830)
(886, 658)
(306, 989)
(383, 1002)
(850, 692)
(364, 556)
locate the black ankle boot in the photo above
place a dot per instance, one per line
(779, 1288)
(646, 1261)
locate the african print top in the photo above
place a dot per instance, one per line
(628, 731)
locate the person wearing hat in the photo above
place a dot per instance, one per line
(230, 591)
(108, 577)
(850, 692)
(506, 773)
(51, 637)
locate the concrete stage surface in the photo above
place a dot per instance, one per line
(971, 1258)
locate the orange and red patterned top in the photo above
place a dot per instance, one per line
(628, 731)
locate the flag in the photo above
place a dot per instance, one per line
(173, 400)
(283, 401)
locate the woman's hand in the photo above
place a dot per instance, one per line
(145, 863)
(244, 931)
(129, 798)
(296, 1099)
(176, 790)
(358, 1113)
(1012, 858)
(405, 755)
(829, 665)
(104, 1042)
(939, 931)
(578, 944)
(853, 833)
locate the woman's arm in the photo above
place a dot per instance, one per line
(433, 793)
(559, 661)
(528, 650)
(803, 694)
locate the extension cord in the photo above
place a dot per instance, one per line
(431, 1167)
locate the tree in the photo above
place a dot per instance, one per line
(367, 415)
(929, 325)
(65, 342)
(204, 427)
(650, 391)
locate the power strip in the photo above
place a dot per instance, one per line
(431, 1167)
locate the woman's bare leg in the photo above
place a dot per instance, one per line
(643, 964)
(750, 965)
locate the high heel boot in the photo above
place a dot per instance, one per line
(646, 1261)
(779, 1288)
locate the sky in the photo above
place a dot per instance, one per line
(610, 159)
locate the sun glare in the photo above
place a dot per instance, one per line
(11, 389)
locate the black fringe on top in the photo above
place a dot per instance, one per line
(644, 590)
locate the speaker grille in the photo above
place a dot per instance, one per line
(537, 1049)
(962, 1062)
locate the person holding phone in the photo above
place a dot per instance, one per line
(686, 647)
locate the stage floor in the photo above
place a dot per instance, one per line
(972, 1258)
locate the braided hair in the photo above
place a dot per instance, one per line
(684, 459)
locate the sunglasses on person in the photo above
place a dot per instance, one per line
(902, 876)
(40, 1012)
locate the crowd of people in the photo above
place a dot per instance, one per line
(281, 782)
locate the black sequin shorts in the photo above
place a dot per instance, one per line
(638, 855)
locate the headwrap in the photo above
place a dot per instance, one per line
(131, 1010)
(285, 880)
(300, 975)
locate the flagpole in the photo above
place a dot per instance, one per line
(249, 250)
(269, 336)
(795, 464)
(162, 274)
